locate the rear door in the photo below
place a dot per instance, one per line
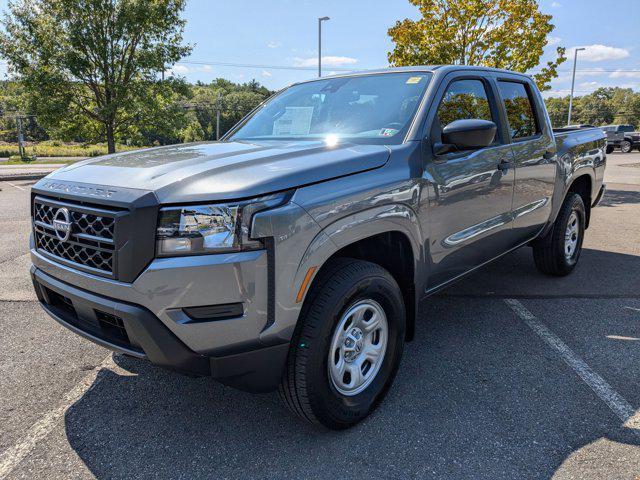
(533, 147)
(470, 192)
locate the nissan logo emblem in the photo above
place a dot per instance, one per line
(62, 224)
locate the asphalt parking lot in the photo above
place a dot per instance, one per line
(512, 375)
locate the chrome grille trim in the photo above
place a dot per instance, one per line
(92, 244)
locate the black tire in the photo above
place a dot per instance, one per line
(625, 146)
(306, 387)
(549, 252)
(609, 149)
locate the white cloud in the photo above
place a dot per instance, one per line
(587, 84)
(206, 68)
(553, 40)
(266, 74)
(177, 70)
(598, 53)
(274, 44)
(555, 93)
(634, 86)
(556, 4)
(328, 61)
(622, 74)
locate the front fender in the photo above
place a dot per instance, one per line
(359, 226)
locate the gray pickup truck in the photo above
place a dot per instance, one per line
(295, 253)
(624, 137)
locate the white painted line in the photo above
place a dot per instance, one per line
(18, 187)
(11, 457)
(632, 309)
(622, 337)
(623, 409)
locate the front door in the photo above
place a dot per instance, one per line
(470, 192)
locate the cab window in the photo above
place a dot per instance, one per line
(464, 99)
(520, 111)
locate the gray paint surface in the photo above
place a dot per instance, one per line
(458, 212)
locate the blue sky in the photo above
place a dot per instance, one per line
(283, 33)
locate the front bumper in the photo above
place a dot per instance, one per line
(134, 330)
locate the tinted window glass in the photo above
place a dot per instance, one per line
(464, 99)
(520, 113)
(626, 128)
(366, 109)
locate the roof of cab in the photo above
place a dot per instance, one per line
(420, 68)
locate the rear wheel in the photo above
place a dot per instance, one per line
(558, 252)
(347, 346)
(625, 146)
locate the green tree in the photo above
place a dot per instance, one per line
(93, 60)
(604, 106)
(236, 100)
(558, 109)
(626, 106)
(596, 108)
(507, 34)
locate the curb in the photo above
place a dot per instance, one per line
(23, 176)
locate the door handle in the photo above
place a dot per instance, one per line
(504, 165)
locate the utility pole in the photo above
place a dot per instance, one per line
(573, 82)
(320, 20)
(20, 137)
(218, 106)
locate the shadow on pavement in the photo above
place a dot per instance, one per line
(599, 274)
(613, 198)
(477, 396)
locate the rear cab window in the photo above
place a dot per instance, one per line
(520, 108)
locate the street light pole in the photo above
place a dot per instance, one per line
(573, 82)
(320, 20)
(218, 106)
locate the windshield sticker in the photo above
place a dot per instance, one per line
(388, 132)
(294, 121)
(413, 80)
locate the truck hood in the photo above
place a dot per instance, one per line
(211, 171)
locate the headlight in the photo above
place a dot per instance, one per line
(215, 228)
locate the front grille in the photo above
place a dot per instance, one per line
(91, 243)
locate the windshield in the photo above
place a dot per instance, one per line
(375, 108)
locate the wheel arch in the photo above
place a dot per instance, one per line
(388, 236)
(583, 186)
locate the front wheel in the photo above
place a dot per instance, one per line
(558, 252)
(625, 146)
(347, 346)
(609, 149)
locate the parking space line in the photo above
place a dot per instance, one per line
(18, 187)
(11, 458)
(623, 409)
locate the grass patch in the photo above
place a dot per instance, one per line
(40, 161)
(59, 149)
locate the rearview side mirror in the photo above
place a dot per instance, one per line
(466, 135)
